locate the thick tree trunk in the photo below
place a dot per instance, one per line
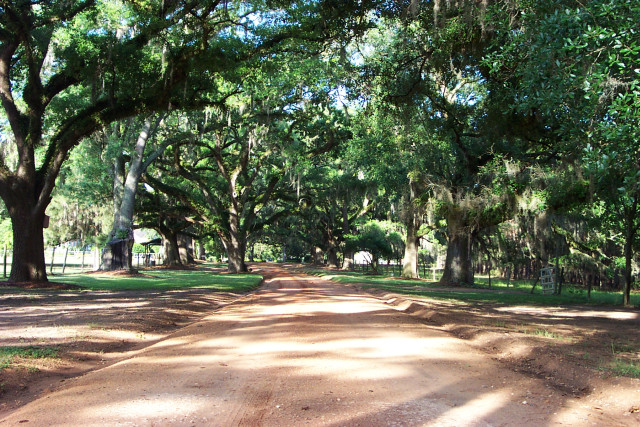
(118, 254)
(332, 256)
(317, 255)
(410, 260)
(236, 259)
(133, 177)
(28, 242)
(124, 201)
(458, 268)
(347, 262)
(236, 247)
(628, 257)
(171, 251)
(184, 249)
(118, 186)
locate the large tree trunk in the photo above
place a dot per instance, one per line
(628, 256)
(236, 258)
(185, 249)
(412, 243)
(410, 260)
(332, 256)
(236, 247)
(28, 242)
(118, 254)
(458, 268)
(118, 186)
(347, 262)
(170, 246)
(317, 255)
(125, 198)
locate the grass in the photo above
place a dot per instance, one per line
(8, 354)
(165, 280)
(546, 334)
(518, 293)
(625, 368)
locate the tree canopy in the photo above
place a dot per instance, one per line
(503, 133)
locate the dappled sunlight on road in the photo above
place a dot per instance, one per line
(302, 350)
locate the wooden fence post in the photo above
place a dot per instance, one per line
(64, 263)
(53, 256)
(4, 274)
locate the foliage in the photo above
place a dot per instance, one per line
(376, 241)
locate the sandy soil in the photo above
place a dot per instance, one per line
(306, 351)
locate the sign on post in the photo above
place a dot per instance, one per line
(547, 280)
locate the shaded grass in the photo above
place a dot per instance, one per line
(624, 368)
(8, 354)
(166, 280)
(518, 293)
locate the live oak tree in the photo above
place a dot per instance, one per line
(69, 68)
(574, 67)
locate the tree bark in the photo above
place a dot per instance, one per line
(332, 256)
(347, 262)
(628, 256)
(317, 255)
(125, 197)
(28, 263)
(412, 243)
(235, 253)
(118, 186)
(171, 251)
(410, 260)
(184, 249)
(458, 268)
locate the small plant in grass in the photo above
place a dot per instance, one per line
(545, 333)
(541, 332)
(8, 354)
(625, 368)
(499, 323)
(622, 348)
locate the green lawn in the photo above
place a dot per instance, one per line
(518, 293)
(8, 354)
(164, 280)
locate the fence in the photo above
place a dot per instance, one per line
(426, 271)
(62, 260)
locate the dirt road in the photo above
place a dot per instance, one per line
(306, 351)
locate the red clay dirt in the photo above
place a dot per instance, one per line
(303, 350)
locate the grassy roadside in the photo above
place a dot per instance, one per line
(517, 293)
(160, 280)
(13, 356)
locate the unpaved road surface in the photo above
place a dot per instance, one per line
(303, 350)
